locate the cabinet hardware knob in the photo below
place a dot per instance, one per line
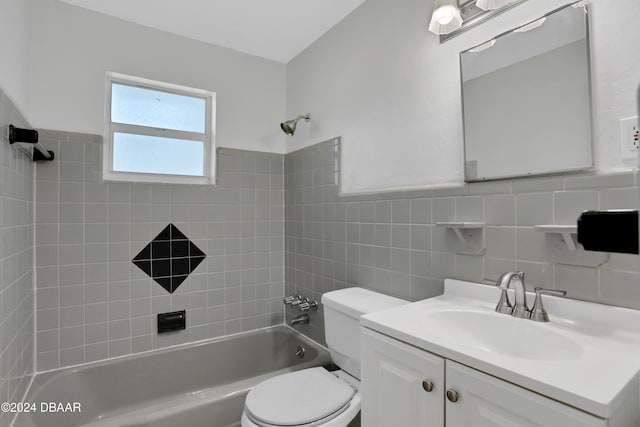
(452, 395)
(427, 386)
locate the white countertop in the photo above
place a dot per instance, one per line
(600, 366)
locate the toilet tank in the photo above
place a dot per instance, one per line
(342, 311)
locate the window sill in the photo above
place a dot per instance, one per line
(157, 178)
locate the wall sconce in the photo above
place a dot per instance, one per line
(453, 17)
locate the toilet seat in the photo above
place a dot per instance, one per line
(309, 397)
(342, 420)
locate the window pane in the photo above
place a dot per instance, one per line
(152, 154)
(146, 107)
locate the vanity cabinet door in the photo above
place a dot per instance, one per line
(401, 385)
(485, 401)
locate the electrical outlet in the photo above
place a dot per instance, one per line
(630, 141)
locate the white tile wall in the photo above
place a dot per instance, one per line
(16, 262)
(94, 303)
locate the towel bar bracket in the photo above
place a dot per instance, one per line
(30, 136)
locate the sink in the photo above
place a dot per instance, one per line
(586, 355)
(499, 333)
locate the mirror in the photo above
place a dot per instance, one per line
(527, 99)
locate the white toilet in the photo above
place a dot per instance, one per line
(316, 397)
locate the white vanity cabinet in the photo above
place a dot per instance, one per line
(401, 385)
(406, 386)
(486, 401)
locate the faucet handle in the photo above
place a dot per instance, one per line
(308, 304)
(292, 300)
(538, 313)
(554, 292)
(301, 303)
(304, 306)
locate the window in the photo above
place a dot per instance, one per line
(158, 132)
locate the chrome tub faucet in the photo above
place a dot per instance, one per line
(303, 318)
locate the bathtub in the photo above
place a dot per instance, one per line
(198, 385)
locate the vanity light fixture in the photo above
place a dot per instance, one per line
(453, 17)
(446, 17)
(492, 4)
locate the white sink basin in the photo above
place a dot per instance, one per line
(500, 333)
(587, 356)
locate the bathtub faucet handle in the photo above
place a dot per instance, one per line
(292, 300)
(301, 303)
(304, 306)
(308, 304)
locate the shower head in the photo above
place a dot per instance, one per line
(289, 127)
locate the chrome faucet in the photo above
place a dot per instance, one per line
(520, 309)
(303, 318)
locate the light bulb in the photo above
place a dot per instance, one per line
(446, 17)
(445, 20)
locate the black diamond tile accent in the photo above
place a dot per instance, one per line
(179, 248)
(144, 265)
(161, 268)
(177, 234)
(169, 258)
(165, 282)
(194, 251)
(180, 266)
(165, 235)
(195, 261)
(160, 250)
(145, 254)
(177, 281)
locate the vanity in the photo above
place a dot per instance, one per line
(454, 361)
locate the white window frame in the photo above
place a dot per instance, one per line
(208, 138)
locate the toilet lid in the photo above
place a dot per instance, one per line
(300, 397)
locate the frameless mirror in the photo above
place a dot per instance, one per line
(527, 99)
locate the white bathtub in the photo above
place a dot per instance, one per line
(192, 386)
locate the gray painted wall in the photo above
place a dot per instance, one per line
(245, 85)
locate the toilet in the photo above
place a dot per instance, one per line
(316, 397)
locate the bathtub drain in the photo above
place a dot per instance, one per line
(300, 351)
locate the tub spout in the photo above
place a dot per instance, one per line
(303, 318)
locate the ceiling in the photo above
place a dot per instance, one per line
(272, 29)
